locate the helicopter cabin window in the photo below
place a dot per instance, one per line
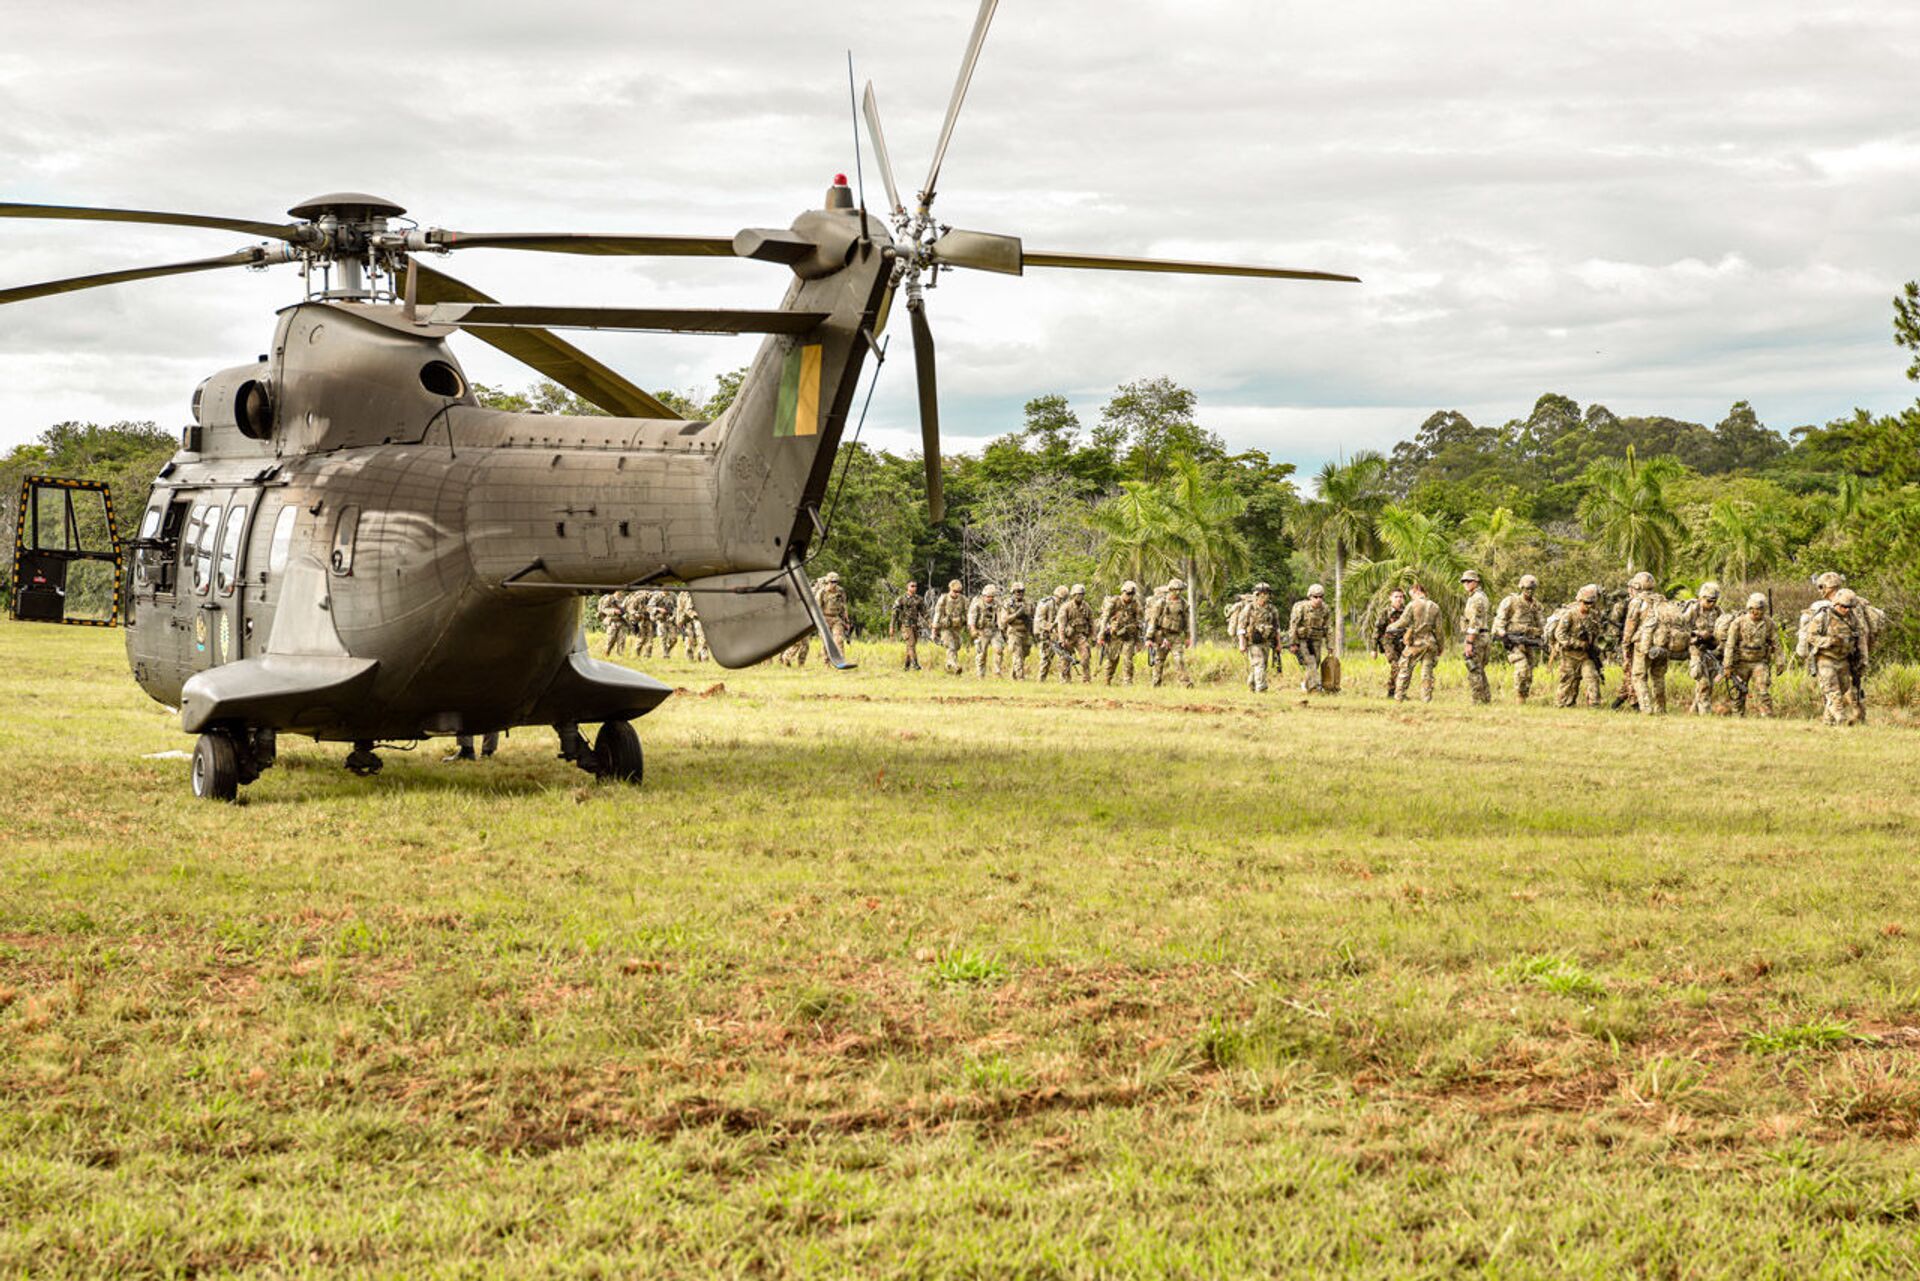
(345, 529)
(227, 574)
(282, 539)
(150, 523)
(202, 531)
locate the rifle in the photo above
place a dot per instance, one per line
(1710, 659)
(1525, 642)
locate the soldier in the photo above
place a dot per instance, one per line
(1388, 639)
(1749, 650)
(1834, 644)
(1577, 635)
(1167, 626)
(795, 655)
(950, 625)
(906, 618)
(613, 620)
(660, 616)
(833, 607)
(463, 746)
(640, 623)
(1702, 616)
(1074, 626)
(1120, 632)
(1015, 621)
(1517, 625)
(1630, 618)
(1661, 636)
(1476, 623)
(1046, 627)
(983, 624)
(1420, 631)
(1307, 635)
(1259, 634)
(687, 619)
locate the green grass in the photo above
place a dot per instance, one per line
(898, 975)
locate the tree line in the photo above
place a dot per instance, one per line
(1146, 491)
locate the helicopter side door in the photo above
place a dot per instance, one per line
(213, 552)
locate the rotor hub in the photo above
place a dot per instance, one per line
(346, 207)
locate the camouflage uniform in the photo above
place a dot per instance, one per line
(639, 624)
(1631, 612)
(660, 614)
(613, 620)
(1577, 635)
(1836, 644)
(950, 625)
(1703, 618)
(1259, 633)
(1662, 634)
(1749, 651)
(1307, 636)
(1121, 632)
(1476, 625)
(908, 616)
(1420, 627)
(983, 623)
(1074, 625)
(1046, 616)
(1167, 626)
(1388, 639)
(687, 619)
(1518, 619)
(1015, 622)
(833, 607)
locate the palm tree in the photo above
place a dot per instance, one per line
(1204, 526)
(1488, 533)
(1139, 532)
(1625, 509)
(1339, 521)
(1416, 548)
(1741, 539)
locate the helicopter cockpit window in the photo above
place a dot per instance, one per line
(282, 539)
(150, 523)
(230, 549)
(202, 531)
(344, 532)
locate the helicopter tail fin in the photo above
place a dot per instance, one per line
(751, 616)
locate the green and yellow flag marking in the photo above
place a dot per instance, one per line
(797, 413)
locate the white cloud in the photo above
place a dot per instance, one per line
(1665, 209)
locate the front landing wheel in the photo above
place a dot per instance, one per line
(616, 753)
(216, 768)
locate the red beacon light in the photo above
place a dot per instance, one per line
(839, 180)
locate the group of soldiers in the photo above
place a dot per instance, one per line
(1069, 634)
(1639, 626)
(1648, 632)
(643, 617)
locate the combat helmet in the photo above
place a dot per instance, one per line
(1528, 580)
(1709, 590)
(1129, 587)
(1846, 596)
(1757, 601)
(953, 584)
(833, 576)
(1260, 589)
(1018, 588)
(1079, 589)
(1175, 585)
(1470, 576)
(1316, 590)
(1060, 592)
(1640, 582)
(1590, 593)
(1830, 581)
(991, 589)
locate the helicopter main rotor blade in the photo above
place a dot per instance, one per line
(981, 250)
(546, 353)
(257, 255)
(1176, 266)
(960, 84)
(244, 226)
(870, 106)
(926, 381)
(683, 320)
(588, 243)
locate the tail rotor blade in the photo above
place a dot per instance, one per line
(929, 407)
(870, 106)
(965, 78)
(981, 250)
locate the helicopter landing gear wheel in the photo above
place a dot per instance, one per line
(361, 759)
(216, 768)
(617, 755)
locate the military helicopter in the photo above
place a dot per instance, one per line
(347, 546)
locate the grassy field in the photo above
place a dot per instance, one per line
(906, 976)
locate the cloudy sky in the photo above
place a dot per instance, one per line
(1661, 207)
